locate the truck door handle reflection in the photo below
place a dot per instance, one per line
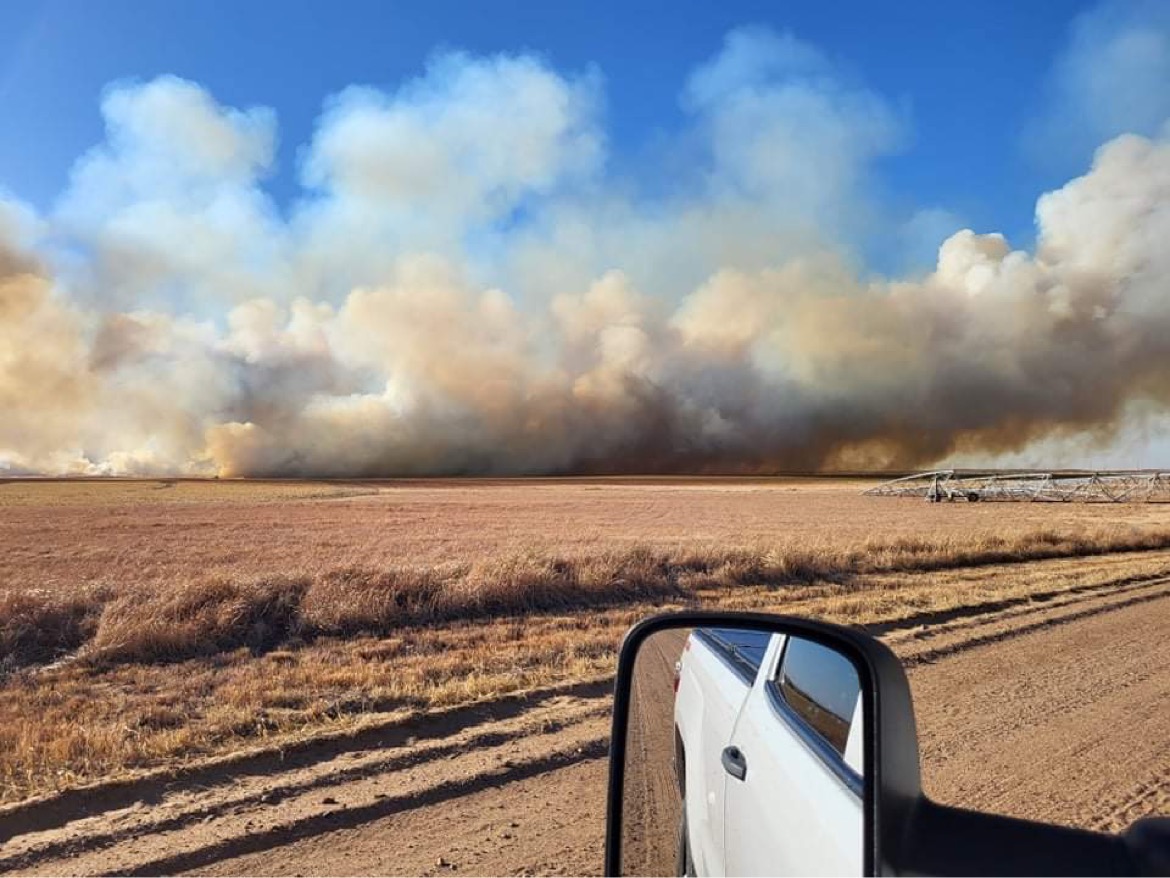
(734, 762)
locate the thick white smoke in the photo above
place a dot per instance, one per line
(465, 287)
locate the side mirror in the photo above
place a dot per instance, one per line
(748, 744)
(757, 744)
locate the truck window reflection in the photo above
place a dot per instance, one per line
(821, 686)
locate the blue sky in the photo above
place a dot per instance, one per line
(967, 79)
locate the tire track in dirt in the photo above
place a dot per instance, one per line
(1042, 613)
(1151, 796)
(318, 824)
(551, 824)
(931, 623)
(1062, 725)
(153, 787)
(195, 822)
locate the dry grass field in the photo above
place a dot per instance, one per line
(148, 623)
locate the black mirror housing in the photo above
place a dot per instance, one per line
(893, 787)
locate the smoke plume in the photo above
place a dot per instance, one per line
(467, 286)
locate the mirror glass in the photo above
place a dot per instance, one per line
(744, 756)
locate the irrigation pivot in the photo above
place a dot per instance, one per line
(1137, 486)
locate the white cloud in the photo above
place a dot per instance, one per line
(1112, 78)
(171, 203)
(457, 149)
(785, 126)
(469, 139)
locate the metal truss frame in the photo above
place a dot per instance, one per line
(1137, 486)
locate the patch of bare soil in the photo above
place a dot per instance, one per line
(166, 825)
(1059, 716)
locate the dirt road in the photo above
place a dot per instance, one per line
(652, 805)
(1052, 710)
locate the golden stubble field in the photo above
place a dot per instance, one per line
(152, 623)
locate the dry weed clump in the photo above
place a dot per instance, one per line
(38, 626)
(925, 554)
(363, 601)
(351, 600)
(197, 618)
(202, 617)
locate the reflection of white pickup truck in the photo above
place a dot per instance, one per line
(769, 756)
